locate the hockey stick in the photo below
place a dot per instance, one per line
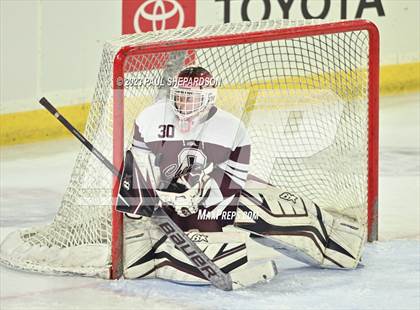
(159, 217)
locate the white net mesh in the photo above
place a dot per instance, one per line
(304, 102)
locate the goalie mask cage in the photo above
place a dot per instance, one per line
(308, 95)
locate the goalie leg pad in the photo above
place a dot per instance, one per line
(300, 229)
(139, 247)
(227, 249)
(158, 257)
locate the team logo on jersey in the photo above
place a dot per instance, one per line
(192, 156)
(169, 171)
(187, 159)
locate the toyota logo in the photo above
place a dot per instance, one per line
(159, 14)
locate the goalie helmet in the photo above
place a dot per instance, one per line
(192, 96)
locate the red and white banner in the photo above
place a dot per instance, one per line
(153, 15)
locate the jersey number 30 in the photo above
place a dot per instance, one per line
(166, 131)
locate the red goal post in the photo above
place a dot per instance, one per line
(241, 38)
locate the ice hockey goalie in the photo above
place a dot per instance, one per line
(196, 159)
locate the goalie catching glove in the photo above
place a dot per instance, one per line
(182, 196)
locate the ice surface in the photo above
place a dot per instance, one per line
(33, 179)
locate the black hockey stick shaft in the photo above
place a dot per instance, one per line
(206, 266)
(43, 101)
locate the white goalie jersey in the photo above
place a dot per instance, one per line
(220, 140)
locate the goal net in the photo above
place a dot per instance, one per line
(307, 94)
